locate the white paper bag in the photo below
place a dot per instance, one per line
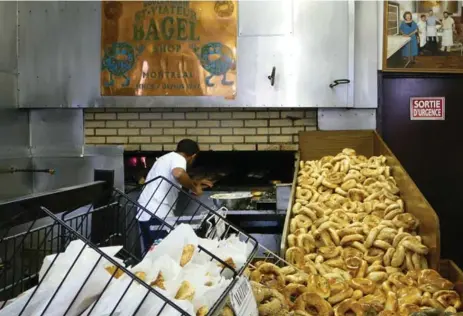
(15, 307)
(154, 304)
(85, 279)
(131, 293)
(173, 244)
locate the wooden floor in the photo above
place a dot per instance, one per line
(446, 60)
(451, 61)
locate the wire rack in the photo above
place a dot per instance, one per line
(23, 247)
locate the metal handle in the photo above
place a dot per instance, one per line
(338, 82)
(14, 170)
(272, 77)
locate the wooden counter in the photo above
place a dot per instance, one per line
(315, 145)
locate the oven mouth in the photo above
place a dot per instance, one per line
(229, 170)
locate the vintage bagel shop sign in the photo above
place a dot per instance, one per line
(169, 48)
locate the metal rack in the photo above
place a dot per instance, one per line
(43, 232)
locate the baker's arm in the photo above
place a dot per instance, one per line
(184, 179)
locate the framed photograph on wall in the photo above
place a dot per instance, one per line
(423, 36)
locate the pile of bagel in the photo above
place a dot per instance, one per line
(352, 247)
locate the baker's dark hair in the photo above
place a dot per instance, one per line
(423, 15)
(405, 14)
(188, 147)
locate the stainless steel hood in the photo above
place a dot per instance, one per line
(52, 56)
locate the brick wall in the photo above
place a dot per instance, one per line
(214, 129)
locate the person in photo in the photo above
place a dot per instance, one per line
(422, 26)
(448, 29)
(431, 31)
(409, 28)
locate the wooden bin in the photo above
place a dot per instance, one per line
(315, 145)
(449, 270)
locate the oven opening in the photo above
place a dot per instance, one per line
(265, 176)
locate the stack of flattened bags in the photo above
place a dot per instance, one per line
(352, 247)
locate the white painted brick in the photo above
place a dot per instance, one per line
(244, 147)
(116, 140)
(151, 147)
(282, 122)
(268, 147)
(232, 139)
(127, 116)
(289, 147)
(139, 139)
(208, 139)
(105, 131)
(150, 116)
(105, 116)
(244, 131)
(185, 123)
(221, 131)
(305, 122)
(197, 116)
(285, 114)
(116, 124)
(269, 131)
(256, 139)
(169, 147)
(256, 123)
(311, 114)
(120, 110)
(174, 131)
(268, 115)
(291, 130)
(281, 139)
(232, 123)
(139, 124)
(131, 147)
(221, 147)
(220, 115)
(208, 123)
(244, 115)
(173, 116)
(178, 138)
(129, 131)
(95, 140)
(151, 131)
(162, 139)
(95, 124)
(165, 123)
(197, 131)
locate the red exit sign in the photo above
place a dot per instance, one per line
(427, 108)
